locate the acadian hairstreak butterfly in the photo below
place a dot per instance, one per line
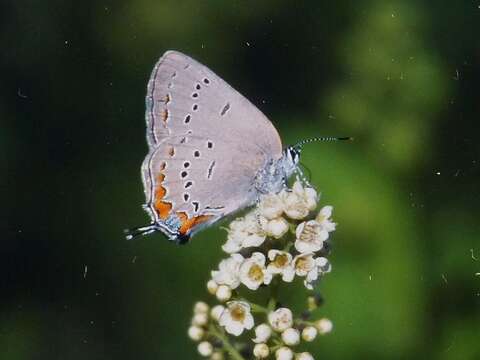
(211, 151)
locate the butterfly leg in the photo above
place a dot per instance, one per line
(257, 212)
(300, 176)
(141, 230)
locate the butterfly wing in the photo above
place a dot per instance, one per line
(207, 142)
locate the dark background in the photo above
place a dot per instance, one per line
(402, 77)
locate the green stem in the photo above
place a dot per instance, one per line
(258, 308)
(304, 322)
(272, 303)
(288, 247)
(234, 354)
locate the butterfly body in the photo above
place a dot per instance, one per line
(211, 152)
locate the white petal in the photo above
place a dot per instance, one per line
(271, 206)
(273, 253)
(231, 247)
(323, 235)
(252, 285)
(237, 257)
(272, 269)
(297, 188)
(304, 247)
(329, 226)
(259, 258)
(321, 261)
(308, 285)
(297, 213)
(299, 229)
(225, 318)
(253, 240)
(312, 274)
(267, 277)
(326, 211)
(248, 323)
(277, 227)
(234, 328)
(311, 198)
(288, 274)
(216, 312)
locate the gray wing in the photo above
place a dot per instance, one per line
(206, 140)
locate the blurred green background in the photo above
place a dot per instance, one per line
(402, 77)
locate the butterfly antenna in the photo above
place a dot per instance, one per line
(138, 231)
(300, 144)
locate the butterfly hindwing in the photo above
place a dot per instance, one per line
(207, 142)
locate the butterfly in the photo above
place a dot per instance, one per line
(211, 151)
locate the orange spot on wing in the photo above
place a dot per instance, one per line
(163, 208)
(188, 224)
(164, 115)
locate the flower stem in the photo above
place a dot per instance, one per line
(258, 308)
(234, 354)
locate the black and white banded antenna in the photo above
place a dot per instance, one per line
(299, 146)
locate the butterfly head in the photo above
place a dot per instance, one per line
(291, 158)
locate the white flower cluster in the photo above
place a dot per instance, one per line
(265, 222)
(236, 317)
(260, 250)
(280, 324)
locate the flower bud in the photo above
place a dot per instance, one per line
(324, 326)
(284, 353)
(262, 333)
(224, 293)
(200, 308)
(304, 356)
(291, 337)
(217, 355)
(261, 351)
(205, 348)
(212, 287)
(200, 319)
(195, 333)
(280, 319)
(309, 333)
